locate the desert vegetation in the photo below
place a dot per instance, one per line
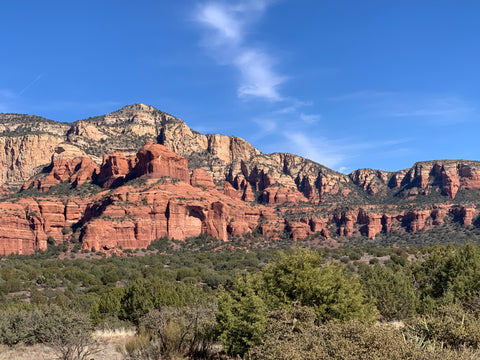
(185, 302)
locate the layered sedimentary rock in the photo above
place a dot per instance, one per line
(68, 164)
(445, 176)
(157, 177)
(24, 156)
(26, 225)
(155, 160)
(202, 179)
(132, 219)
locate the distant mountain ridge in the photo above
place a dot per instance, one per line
(305, 197)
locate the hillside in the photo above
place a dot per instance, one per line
(127, 178)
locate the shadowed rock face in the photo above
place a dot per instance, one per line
(160, 178)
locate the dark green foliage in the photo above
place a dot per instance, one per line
(108, 306)
(241, 317)
(163, 244)
(136, 302)
(144, 294)
(259, 293)
(449, 273)
(393, 291)
(299, 277)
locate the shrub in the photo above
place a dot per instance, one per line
(292, 334)
(450, 326)
(241, 317)
(393, 291)
(330, 290)
(173, 332)
(68, 333)
(18, 326)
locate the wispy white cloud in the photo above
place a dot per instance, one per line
(266, 125)
(445, 110)
(433, 108)
(318, 149)
(362, 95)
(258, 77)
(228, 24)
(229, 20)
(335, 153)
(310, 118)
(221, 19)
(226, 35)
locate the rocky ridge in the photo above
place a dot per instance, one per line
(157, 177)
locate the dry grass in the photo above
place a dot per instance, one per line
(110, 341)
(38, 352)
(113, 334)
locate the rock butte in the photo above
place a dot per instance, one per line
(160, 178)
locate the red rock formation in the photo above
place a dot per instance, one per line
(469, 177)
(229, 190)
(68, 164)
(418, 219)
(320, 225)
(348, 220)
(16, 235)
(370, 180)
(280, 195)
(438, 215)
(453, 175)
(308, 189)
(466, 213)
(156, 161)
(374, 225)
(132, 217)
(202, 179)
(115, 167)
(298, 230)
(26, 225)
(450, 181)
(248, 194)
(392, 222)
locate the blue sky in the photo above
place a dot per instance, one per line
(347, 83)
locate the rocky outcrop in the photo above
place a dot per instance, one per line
(424, 178)
(370, 222)
(202, 179)
(279, 195)
(24, 156)
(156, 161)
(27, 225)
(131, 219)
(152, 161)
(189, 183)
(371, 181)
(114, 169)
(68, 164)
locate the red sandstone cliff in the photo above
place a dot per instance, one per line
(193, 183)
